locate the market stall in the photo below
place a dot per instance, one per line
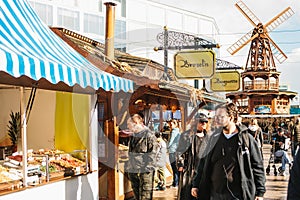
(113, 111)
(54, 90)
(151, 96)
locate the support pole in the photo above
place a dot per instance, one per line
(23, 134)
(165, 51)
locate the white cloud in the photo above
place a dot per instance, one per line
(290, 70)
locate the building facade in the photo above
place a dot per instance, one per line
(137, 25)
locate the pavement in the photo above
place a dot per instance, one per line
(276, 185)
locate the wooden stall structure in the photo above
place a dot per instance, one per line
(150, 94)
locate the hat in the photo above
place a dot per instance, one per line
(280, 130)
(201, 117)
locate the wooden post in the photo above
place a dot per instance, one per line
(160, 118)
(183, 110)
(113, 136)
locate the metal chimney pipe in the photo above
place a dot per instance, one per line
(110, 29)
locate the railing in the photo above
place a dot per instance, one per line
(260, 85)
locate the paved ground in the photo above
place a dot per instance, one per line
(276, 185)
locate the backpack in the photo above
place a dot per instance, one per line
(245, 138)
(160, 153)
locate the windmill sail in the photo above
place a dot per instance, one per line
(241, 42)
(279, 19)
(276, 51)
(247, 13)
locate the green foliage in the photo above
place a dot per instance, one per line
(14, 127)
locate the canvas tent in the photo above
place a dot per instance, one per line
(32, 54)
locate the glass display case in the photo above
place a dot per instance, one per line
(42, 166)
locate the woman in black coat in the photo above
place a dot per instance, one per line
(190, 148)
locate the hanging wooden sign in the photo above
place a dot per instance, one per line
(225, 81)
(194, 64)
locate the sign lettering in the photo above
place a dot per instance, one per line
(225, 81)
(194, 64)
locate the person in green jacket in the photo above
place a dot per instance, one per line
(141, 162)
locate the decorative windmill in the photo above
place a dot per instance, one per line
(260, 79)
(263, 48)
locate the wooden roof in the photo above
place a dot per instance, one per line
(94, 52)
(143, 71)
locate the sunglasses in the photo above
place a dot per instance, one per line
(203, 122)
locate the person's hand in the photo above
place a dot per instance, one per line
(194, 192)
(259, 198)
(180, 169)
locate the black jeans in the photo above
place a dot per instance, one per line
(172, 157)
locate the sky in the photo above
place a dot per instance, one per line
(233, 25)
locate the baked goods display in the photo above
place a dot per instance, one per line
(42, 166)
(9, 178)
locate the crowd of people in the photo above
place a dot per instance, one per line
(216, 158)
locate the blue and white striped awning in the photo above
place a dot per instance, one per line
(29, 48)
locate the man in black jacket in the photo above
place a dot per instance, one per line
(232, 167)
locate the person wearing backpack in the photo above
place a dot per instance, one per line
(232, 166)
(141, 162)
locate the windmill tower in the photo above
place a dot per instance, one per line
(260, 80)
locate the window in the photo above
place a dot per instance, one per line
(102, 137)
(120, 29)
(45, 12)
(123, 7)
(68, 19)
(100, 6)
(120, 47)
(93, 24)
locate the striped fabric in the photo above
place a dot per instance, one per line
(28, 47)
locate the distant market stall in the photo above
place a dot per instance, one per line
(55, 91)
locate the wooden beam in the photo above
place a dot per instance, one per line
(190, 117)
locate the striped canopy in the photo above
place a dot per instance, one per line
(29, 48)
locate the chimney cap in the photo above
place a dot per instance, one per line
(111, 2)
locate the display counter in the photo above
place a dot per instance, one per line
(42, 167)
(66, 188)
